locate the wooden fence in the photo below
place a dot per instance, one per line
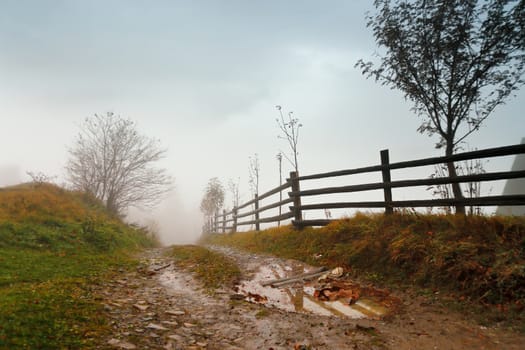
(230, 221)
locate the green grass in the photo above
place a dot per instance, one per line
(479, 261)
(50, 266)
(46, 300)
(214, 270)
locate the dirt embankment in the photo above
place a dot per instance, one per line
(158, 306)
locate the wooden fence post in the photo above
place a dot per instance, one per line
(234, 214)
(298, 217)
(257, 224)
(223, 220)
(385, 163)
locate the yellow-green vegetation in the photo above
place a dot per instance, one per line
(478, 258)
(55, 246)
(213, 269)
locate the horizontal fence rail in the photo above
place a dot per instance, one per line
(412, 183)
(229, 221)
(487, 153)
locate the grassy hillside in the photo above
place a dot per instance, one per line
(480, 260)
(54, 246)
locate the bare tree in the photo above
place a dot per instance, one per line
(290, 132)
(253, 178)
(39, 178)
(455, 60)
(473, 188)
(212, 202)
(254, 172)
(441, 191)
(233, 186)
(113, 162)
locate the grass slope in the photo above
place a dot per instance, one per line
(480, 260)
(55, 246)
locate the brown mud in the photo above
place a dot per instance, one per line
(158, 306)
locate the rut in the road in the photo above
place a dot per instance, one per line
(158, 306)
(166, 309)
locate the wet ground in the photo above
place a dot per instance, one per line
(295, 287)
(160, 307)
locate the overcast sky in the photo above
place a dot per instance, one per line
(204, 77)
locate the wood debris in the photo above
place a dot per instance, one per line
(297, 278)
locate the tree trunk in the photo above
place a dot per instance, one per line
(456, 187)
(111, 206)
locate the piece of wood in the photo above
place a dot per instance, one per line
(266, 207)
(234, 215)
(479, 201)
(318, 271)
(266, 220)
(315, 222)
(299, 279)
(385, 171)
(162, 267)
(298, 216)
(413, 183)
(246, 204)
(277, 217)
(256, 207)
(275, 190)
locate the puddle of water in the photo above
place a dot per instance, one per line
(300, 298)
(347, 310)
(315, 307)
(369, 306)
(274, 297)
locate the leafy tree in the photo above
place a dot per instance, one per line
(113, 162)
(212, 201)
(455, 60)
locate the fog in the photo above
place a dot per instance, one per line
(204, 78)
(171, 220)
(10, 174)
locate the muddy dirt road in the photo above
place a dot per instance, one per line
(158, 306)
